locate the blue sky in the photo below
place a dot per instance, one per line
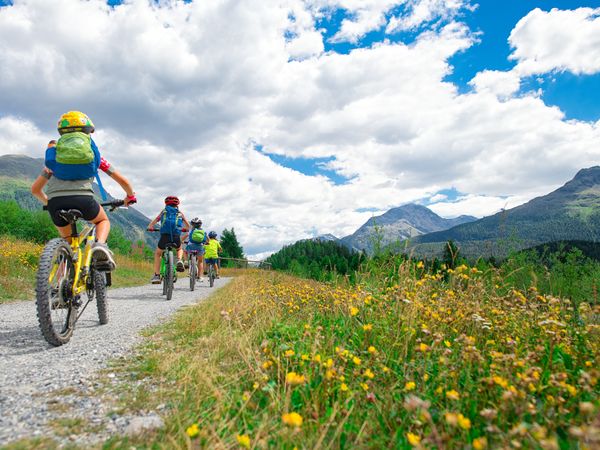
(577, 96)
(287, 119)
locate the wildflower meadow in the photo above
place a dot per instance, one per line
(454, 359)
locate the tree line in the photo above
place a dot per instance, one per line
(316, 259)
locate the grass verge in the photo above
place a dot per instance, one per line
(273, 361)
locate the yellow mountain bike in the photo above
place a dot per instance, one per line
(65, 273)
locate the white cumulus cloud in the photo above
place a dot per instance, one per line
(557, 40)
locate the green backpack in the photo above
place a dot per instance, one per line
(198, 236)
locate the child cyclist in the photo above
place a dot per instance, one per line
(196, 239)
(171, 222)
(211, 251)
(70, 167)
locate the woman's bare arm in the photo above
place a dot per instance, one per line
(124, 183)
(37, 188)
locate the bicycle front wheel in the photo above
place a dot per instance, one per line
(54, 292)
(193, 271)
(211, 275)
(101, 302)
(169, 275)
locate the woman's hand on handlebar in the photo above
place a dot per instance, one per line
(130, 199)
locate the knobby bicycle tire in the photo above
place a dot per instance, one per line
(193, 271)
(211, 275)
(164, 274)
(169, 275)
(101, 301)
(51, 300)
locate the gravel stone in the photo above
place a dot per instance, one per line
(40, 383)
(138, 425)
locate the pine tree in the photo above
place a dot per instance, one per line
(230, 244)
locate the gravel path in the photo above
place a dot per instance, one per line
(30, 369)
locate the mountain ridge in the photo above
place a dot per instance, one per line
(398, 224)
(571, 212)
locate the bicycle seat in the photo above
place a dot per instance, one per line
(171, 245)
(71, 216)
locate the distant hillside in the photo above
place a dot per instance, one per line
(18, 171)
(398, 224)
(572, 212)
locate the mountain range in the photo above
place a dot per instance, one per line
(398, 224)
(570, 213)
(17, 173)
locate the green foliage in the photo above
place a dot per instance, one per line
(118, 242)
(33, 226)
(231, 246)
(563, 271)
(319, 260)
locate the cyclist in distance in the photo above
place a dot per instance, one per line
(171, 224)
(66, 182)
(212, 249)
(196, 239)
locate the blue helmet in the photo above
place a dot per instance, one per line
(212, 234)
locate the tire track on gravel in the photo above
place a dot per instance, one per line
(30, 369)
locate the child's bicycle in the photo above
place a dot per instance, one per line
(193, 267)
(65, 271)
(211, 272)
(168, 273)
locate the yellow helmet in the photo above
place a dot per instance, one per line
(75, 121)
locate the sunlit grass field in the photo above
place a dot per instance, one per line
(448, 360)
(18, 265)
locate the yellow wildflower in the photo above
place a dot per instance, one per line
(411, 385)
(369, 374)
(413, 439)
(452, 395)
(192, 431)
(356, 360)
(479, 443)
(343, 387)
(289, 353)
(463, 422)
(367, 327)
(243, 440)
(365, 386)
(292, 419)
(372, 350)
(293, 379)
(423, 347)
(267, 364)
(353, 311)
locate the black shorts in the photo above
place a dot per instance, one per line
(87, 204)
(166, 238)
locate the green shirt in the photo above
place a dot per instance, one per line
(212, 249)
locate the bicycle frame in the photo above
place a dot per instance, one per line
(163, 258)
(82, 256)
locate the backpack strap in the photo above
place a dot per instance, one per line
(97, 161)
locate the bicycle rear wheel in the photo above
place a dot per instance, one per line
(169, 269)
(54, 292)
(193, 270)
